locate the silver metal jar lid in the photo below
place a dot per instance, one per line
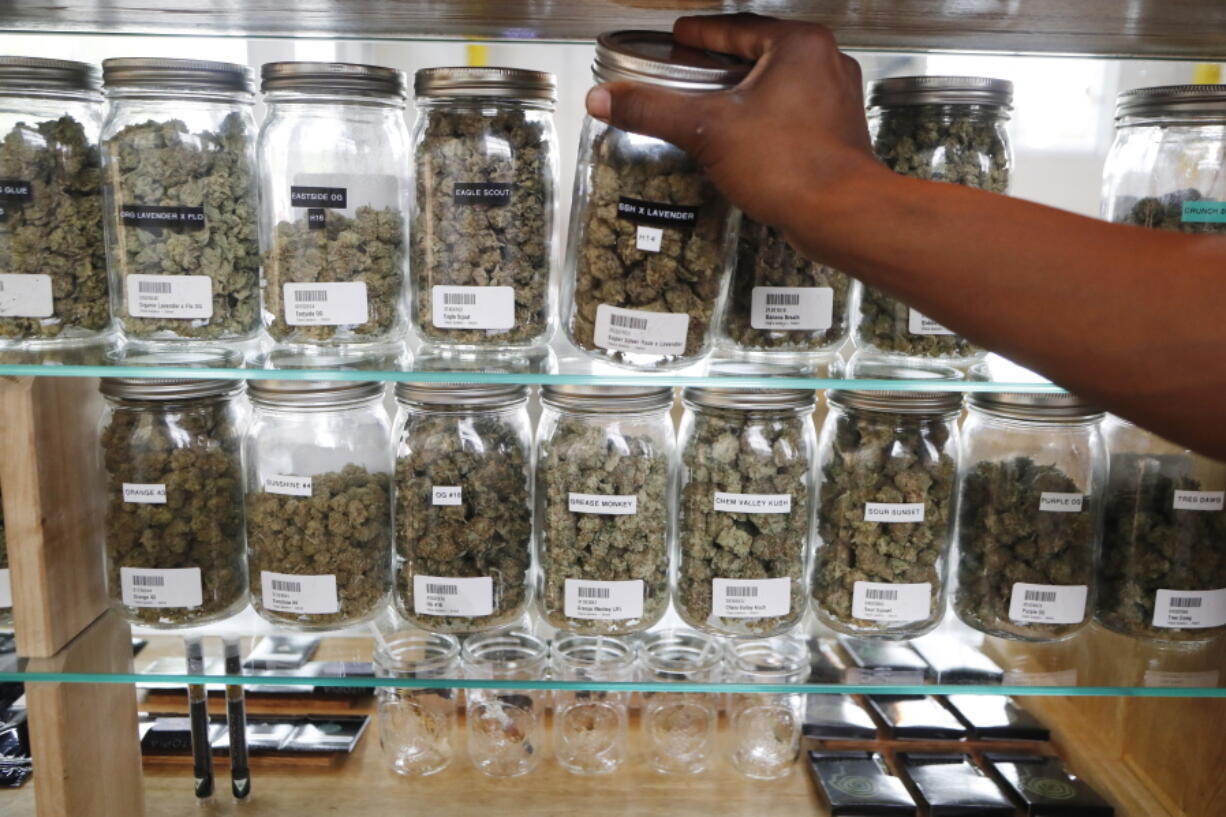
(748, 398)
(654, 57)
(166, 389)
(504, 83)
(1047, 407)
(608, 399)
(176, 75)
(38, 74)
(332, 78)
(312, 393)
(1188, 100)
(899, 401)
(941, 91)
(461, 395)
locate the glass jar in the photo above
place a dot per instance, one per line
(1030, 498)
(948, 129)
(745, 517)
(766, 726)
(650, 236)
(319, 514)
(506, 727)
(463, 505)
(333, 152)
(417, 725)
(172, 455)
(53, 281)
(888, 463)
(590, 727)
(604, 461)
(1164, 169)
(1162, 571)
(679, 728)
(779, 301)
(179, 185)
(486, 158)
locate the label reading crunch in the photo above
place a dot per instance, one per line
(1204, 212)
(156, 217)
(491, 194)
(655, 214)
(334, 197)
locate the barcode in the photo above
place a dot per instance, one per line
(310, 296)
(154, 287)
(443, 589)
(287, 587)
(741, 592)
(148, 581)
(783, 299)
(1046, 596)
(626, 322)
(881, 595)
(460, 298)
(1186, 601)
(594, 592)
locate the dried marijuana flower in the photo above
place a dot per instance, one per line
(463, 511)
(1008, 533)
(342, 530)
(52, 227)
(1156, 538)
(183, 210)
(366, 249)
(651, 238)
(483, 222)
(778, 298)
(1167, 212)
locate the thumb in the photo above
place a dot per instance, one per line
(674, 116)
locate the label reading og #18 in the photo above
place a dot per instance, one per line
(26, 296)
(288, 485)
(809, 309)
(1048, 603)
(182, 297)
(307, 595)
(636, 330)
(149, 587)
(920, 324)
(751, 598)
(442, 596)
(472, 307)
(326, 304)
(1190, 609)
(882, 601)
(447, 495)
(603, 601)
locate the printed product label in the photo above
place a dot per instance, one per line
(655, 214)
(648, 239)
(603, 601)
(792, 308)
(447, 495)
(893, 511)
(16, 191)
(6, 589)
(141, 493)
(157, 218)
(752, 503)
(606, 504)
(342, 193)
(1204, 212)
(326, 304)
(189, 297)
(920, 324)
(473, 307)
(1048, 603)
(438, 596)
(634, 330)
(1158, 678)
(882, 601)
(288, 485)
(332, 197)
(751, 598)
(1190, 609)
(1051, 502)
(882, 675)
(317, 218)
(26, 296)
(1058, 678)
(309, 595)
(491, 194)
(1199, 500)
(147, 587)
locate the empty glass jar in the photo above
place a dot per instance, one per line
(589, 727)
(506, 727)
(679, 728)
(766, 726)
(417, 725)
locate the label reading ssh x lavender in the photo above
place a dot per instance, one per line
(655, 214)
(491, 194)
(156, 217)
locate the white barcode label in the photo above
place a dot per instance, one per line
(26, 296)
(1051, 502)
(751, 598)
(6, 589)
(184, 297)
(326, 304)
(1164, 678)
(635, 330)
(792, 308)
(1200, 500)
(447, 495)
(307, 595)
(753, 503)
(920, 324)
(881, 601)
(1048, 603)
(473, 307)
(441, 596)
(603, 601)
(141, 493)
(893, 511)
(288, 485)
(607, 504)
(1056, 678)
(648, 239)
(148, 587)
(1190, 609)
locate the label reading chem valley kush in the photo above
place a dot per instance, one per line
(894, 512)
(473, 307)
(149, 587)
(287, 485)
(441, 596)
(1048, 603)
(1204, 212)
(636, 330)
(883, 601)
(26, 296)
(1053, 502)
(751, 598)
(308, 595)
(491, 194)
(326, 304)
(606, 504)
(1190, 609)
(781, 309)
(144, 493)
(184, 297)
(753, 503)
(656, 214)
(920, 324)
(603, 601)
(157, 218)
(1199, 500)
